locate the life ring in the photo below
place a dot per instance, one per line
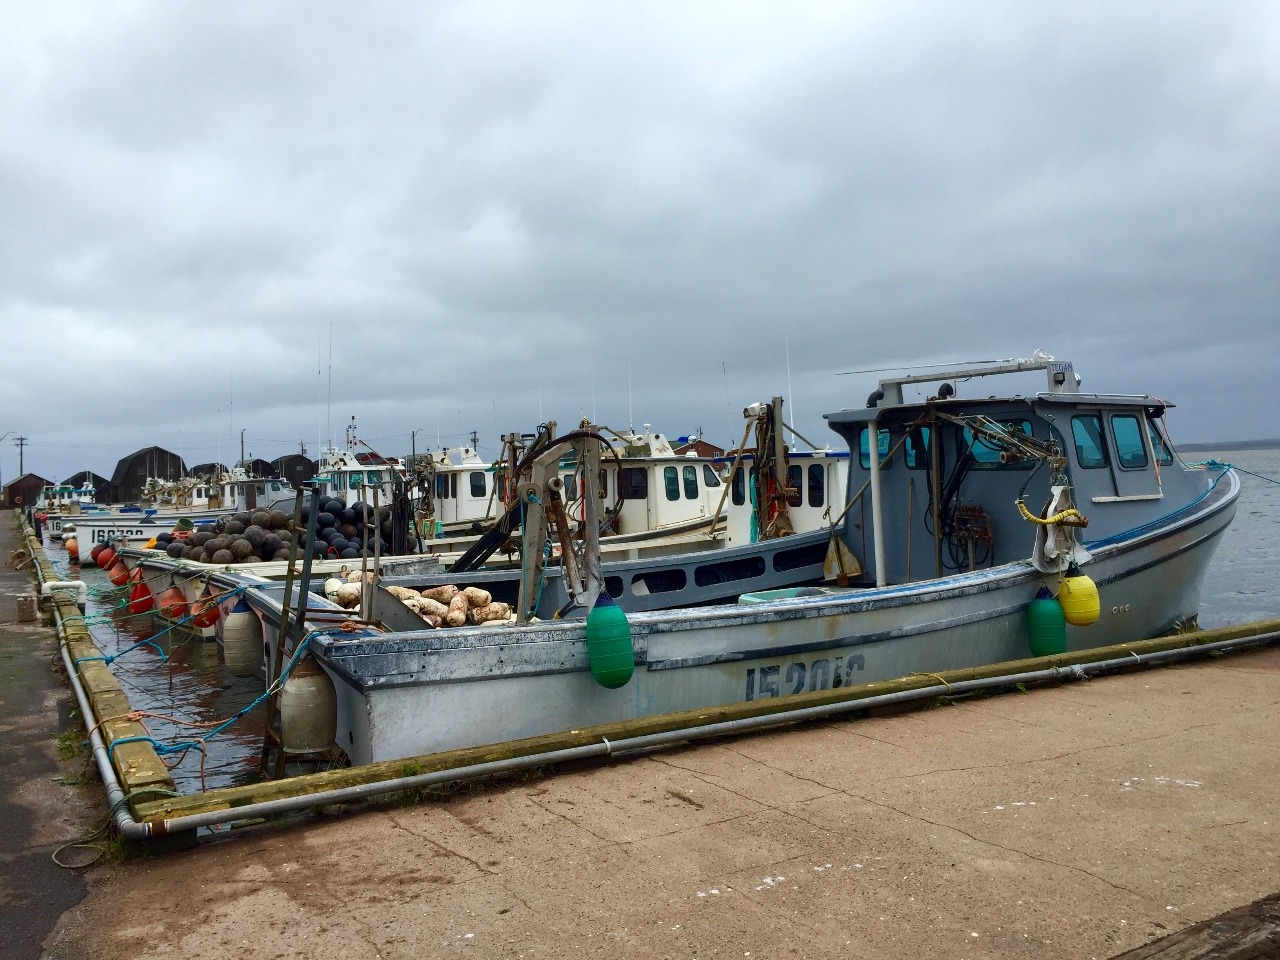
(17, 501)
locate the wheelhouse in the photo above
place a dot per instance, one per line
(935, 486)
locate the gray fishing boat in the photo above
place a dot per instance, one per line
(962, 514)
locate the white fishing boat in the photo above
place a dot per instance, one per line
(952, 562)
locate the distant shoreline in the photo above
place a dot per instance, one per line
(1230, 445)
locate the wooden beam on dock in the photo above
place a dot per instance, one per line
(315, 783)
(1248, 933)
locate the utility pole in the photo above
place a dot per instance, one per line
(20, 442)
(242, 445)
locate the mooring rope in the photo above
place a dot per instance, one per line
(1231, 466)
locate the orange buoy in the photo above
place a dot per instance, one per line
(140, 597)
(172, 603)
(73, 547)
(204, 612)
(107, 557)
(118, 574)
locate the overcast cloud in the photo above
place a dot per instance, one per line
(496, 214)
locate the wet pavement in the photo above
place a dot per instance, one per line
(38, 811)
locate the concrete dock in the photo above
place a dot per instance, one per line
(1079, 821)
(1083, 820)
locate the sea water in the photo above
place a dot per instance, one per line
(1241, 585)
(181, 680)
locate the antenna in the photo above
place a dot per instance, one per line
(328, 414)
(786, 340)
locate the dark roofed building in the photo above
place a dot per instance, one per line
(133, 472)
(257, 467)
(25, 491)
(295, 468)
(87, 478)
(209, 471)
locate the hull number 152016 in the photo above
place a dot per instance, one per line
(774, 681)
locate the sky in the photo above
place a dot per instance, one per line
(259, 220)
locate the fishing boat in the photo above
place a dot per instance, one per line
(964, 514)
(650, 491)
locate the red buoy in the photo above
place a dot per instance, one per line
(107, 557)
(97, 551)
(118, 574)
(204, 612)
(172, 603)
(140, 598)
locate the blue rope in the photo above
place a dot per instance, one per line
(199, 742)
(1231, 466)
(164, 657)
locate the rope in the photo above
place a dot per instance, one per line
(89, 841)
(942, 680)
(1231, 466)
(1068, 514)
(150, 641)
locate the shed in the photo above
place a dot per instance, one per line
(87, 478)
(257, 467)
(697, 446)
(295, 468)
(24, 491)
(208, 471)
(133, 472)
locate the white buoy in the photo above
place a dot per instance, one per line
(308, 709)
(242, 641)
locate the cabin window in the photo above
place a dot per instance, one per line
(671, 480)
(986, 455)
(604, 483)
(1163, 456)
(375, 476)
(356, 480)
(917, 448)
(453, 486)
(1091, 448)
(738, 487)
(710, 478)
(795, 485)
(635, 481)
(478, 486)
(1130, 449)
(690, 477)
(817, 484)
(571, 487)
(442, 486)
(275, 488)
(864, 451)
